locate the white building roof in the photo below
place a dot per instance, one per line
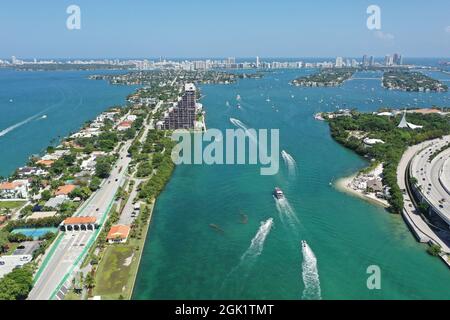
(189, 87)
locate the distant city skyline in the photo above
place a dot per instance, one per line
(205, 29)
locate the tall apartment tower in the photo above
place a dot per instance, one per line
(339, 62)
(183, 114)
(365, 62)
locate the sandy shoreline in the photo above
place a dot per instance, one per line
(342, 185)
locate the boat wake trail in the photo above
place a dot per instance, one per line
(286, 213)
(236, 284)
(290, 163)
(238, 123)
(257, 243)
(19, 124)
(246, 129)
(310, 274)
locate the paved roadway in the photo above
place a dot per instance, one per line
(444, 178)
(67, 255)
(427, 175)
(127, 217)
(422, 230)
(74, 243)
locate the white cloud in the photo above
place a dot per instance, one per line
(447, 29)
(383, 35)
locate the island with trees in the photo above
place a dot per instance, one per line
(353, 129)
(411, 81)
(325, 78)
(152, 77)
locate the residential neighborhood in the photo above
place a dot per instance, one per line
(96, 187)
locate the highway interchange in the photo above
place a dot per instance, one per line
(428, 174)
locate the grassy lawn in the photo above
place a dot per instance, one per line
(114, 276)
(11, 204)
(72, 296)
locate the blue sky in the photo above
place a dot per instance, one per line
(220, 28)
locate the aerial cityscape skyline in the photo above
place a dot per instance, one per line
(389, 60)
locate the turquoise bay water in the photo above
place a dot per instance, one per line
(184, 258)
(67, 99)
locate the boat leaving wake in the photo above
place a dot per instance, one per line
(238, 123)
(286, 213)
(242, 126)
(234, 279)
(257, 244)
(290, 163)
(19, 124)
(310, 274)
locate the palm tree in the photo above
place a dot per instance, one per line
(89, 282)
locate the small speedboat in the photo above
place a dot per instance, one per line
(303, 242)
(277, 193)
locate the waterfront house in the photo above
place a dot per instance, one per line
(30, 171)
(17, 189)
(56, 155)
(45, 163)
(118, 234)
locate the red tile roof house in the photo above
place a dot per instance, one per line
(45, 163)
(65, 190)
(118, 234)
(125, 125)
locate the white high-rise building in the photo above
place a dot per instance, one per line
(257, 62)
(388, 60)
(339, 62)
